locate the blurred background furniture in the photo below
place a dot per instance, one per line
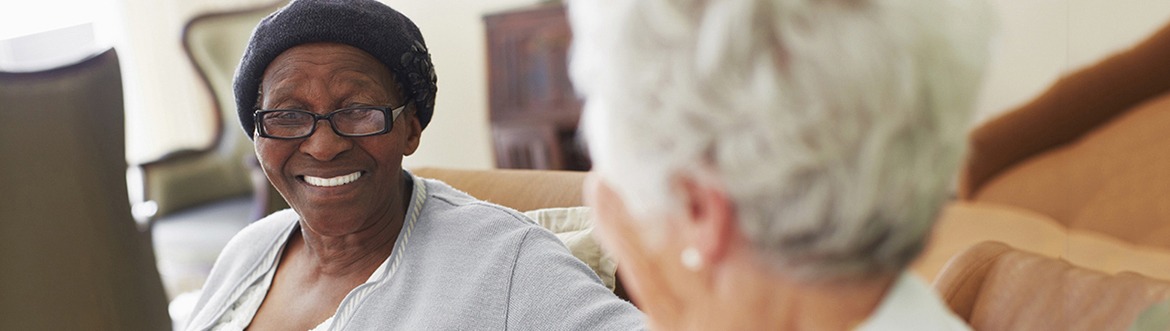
(204, 197)
(533, 107)
(1081, 173)
(72, 256)
(995, 287)
(1090, 152)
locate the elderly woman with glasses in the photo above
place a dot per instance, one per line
(776, 164)
(335, 94)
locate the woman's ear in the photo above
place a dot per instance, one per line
(711, 226)
(412, 138)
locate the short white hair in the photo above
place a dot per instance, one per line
(835, 126)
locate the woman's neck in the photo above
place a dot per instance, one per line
(357, 253)
(784, 303)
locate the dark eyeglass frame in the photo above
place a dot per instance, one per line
(392, 112)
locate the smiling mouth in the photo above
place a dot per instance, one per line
(334, 181)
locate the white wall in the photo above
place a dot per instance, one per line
(1039, 41)
(458, 135)
(167, 107)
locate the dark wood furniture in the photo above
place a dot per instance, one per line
(533, 108)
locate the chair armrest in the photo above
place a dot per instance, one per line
(963, 276)
(189, 178)
(995, 287)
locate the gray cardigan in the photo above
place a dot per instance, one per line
(464, 264)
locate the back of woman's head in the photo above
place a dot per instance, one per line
(835, 126)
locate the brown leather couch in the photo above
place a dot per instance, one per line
(1089, 152)
(1082, 172)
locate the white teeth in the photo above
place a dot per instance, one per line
(335, 181)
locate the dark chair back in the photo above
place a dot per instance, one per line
(71, 255)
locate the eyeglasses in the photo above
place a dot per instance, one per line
(346, 122)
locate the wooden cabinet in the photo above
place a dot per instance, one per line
(533, 109)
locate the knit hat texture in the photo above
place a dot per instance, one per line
(369, 25)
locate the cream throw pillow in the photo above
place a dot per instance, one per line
(574, 227)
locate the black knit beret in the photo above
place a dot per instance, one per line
(368, 25)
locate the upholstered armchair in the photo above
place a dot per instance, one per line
(202, 197)
(212, 177)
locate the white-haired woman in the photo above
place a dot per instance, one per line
(776, 164)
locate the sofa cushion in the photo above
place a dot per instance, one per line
(964, 224)
(1113, 180)
(574, 227)
(961, 225)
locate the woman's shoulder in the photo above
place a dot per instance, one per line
(239, 261)
(454, 204)
(257, 239)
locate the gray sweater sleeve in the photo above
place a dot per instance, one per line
(552, 290)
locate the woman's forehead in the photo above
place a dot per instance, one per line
(342, 66)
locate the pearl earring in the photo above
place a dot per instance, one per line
(691, 259)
